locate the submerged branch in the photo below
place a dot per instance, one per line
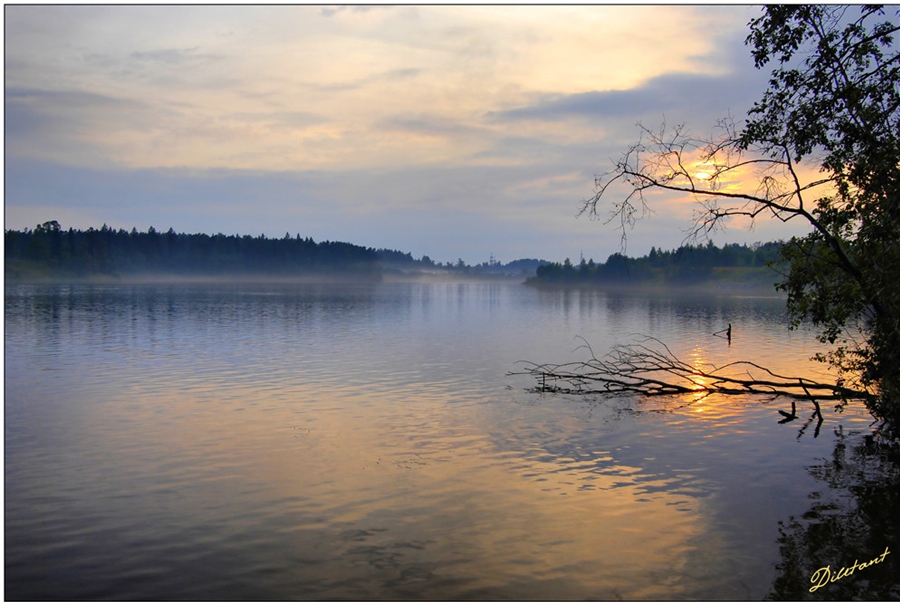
(650, 368)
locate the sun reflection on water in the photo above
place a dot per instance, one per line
(366, 446)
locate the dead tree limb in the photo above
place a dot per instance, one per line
(649, 367)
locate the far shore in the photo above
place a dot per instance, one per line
(723, 282)
(26, 274)
(159, 278)
(729, 288)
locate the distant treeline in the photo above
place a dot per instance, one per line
(686, 265)
(51, 250)
(111, 251)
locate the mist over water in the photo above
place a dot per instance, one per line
(364, 440)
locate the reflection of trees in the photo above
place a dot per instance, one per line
(853, 517)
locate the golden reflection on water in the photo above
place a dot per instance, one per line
(343, 470)
(354, 474)
(761, 348)
(349, 472)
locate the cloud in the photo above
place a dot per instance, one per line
(281, 120)
(64, 98)
(330, 11)
(393, 75)
(420, 128)
(277, 86)
(675, 92)
(425, 124)
(169, 56)
(55, 124)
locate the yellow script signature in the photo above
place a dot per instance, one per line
(823, 576)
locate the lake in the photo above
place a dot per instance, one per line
(250, 441)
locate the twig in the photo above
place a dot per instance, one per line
(649, 367)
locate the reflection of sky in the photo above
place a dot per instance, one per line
(326, 440)
(451, 131)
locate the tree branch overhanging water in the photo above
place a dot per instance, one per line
(648, 367)
(833, 102)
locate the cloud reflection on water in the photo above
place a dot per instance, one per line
(363, 442)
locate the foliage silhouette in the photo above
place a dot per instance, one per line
(109, 251)
(833, 102)
(686, 265)
(852, 519)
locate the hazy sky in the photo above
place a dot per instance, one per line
(448, 131)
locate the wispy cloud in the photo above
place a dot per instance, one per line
(692, 93)
(330, 11)
(393, 75)
(172, 56)
(430, 117)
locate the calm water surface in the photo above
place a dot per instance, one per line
(359, 441)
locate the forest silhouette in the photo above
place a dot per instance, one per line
(108, 251)
(732, 264)
(49, 250)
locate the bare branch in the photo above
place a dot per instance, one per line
(649, 367)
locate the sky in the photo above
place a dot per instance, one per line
(457, 132)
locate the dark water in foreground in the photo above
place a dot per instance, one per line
(365, 441)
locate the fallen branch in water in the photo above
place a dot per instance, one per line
(650, 368)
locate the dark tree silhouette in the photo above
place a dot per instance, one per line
(833, 102)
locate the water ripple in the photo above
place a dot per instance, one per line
(363, 441)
